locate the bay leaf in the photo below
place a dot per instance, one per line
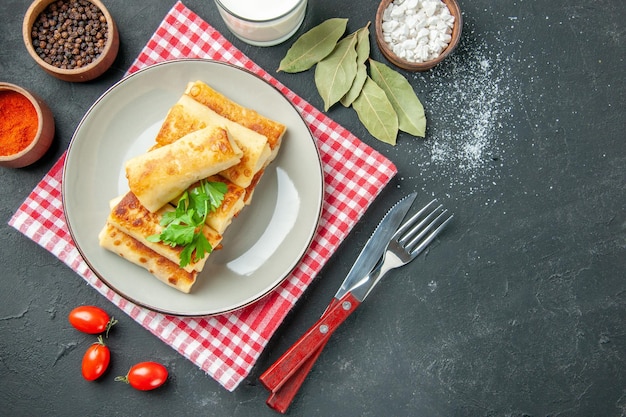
(376, 112)
(357, 85)
(362, 53)
(411, 117)
(313, 46)
(335, 74)
(363, 44)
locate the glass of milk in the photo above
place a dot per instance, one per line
(262, 22)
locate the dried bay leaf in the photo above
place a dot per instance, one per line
(335, 74)
(363, 44)
(362, 53)
(382, 98)
(313, 46)
(376, 112)
(411, 117)
(357, 86)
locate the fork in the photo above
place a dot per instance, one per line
(284, 379)
(411, 239)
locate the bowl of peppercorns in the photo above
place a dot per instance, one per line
(26, 126)
(73, 40)
(416, 35)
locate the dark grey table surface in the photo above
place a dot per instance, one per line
(519, 309)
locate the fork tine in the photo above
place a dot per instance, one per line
(409, 223)
(399, 253)
(431, 236)
(408, 235)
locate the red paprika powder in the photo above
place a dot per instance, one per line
(18, 122)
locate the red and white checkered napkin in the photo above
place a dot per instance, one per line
(226, 346)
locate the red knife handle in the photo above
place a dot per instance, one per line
(281, 399)
(296, 356)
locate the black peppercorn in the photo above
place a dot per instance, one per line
(63, 32)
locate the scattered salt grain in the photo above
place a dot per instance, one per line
(467, 144)
(417, 30)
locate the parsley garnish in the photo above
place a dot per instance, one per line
(183, 226)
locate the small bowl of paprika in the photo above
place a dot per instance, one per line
(26, 127)
(73, 40)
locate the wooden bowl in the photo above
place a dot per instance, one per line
(455, 11)
(42, 138)
(80, 74)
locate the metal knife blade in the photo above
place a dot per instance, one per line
(375, 246)
(294, 365)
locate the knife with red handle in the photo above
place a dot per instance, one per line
(309, 343)
(281, 398)
(287, 374)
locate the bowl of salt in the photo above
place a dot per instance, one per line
(416, 35)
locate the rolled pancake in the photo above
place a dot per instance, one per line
(134, 251)
(222, 105)
(132, 218)
(158, 176)
(188, 115)
(233, 203)
(250, 190)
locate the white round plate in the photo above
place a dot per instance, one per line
(262, 245)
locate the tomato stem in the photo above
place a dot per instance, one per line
(110, 324)
(122, 378)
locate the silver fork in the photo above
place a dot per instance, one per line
(410, 240)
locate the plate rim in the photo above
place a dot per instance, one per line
(309, 240)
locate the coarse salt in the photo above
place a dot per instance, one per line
(417, 30)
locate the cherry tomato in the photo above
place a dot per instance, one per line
(96, 360)
(145, 376)
(91, 319)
